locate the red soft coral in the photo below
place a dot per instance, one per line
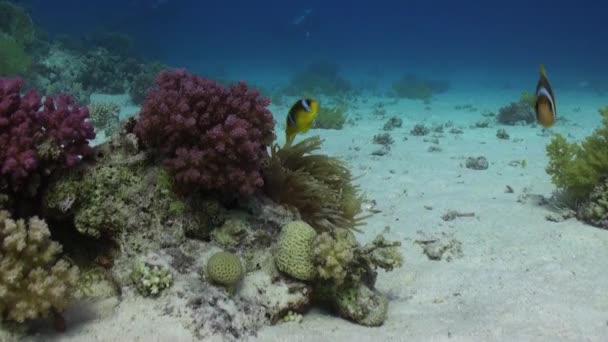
(37, 137)
(210, 137)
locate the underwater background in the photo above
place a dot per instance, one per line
(321, 170)
(497, 42)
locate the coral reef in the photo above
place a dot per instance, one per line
(477, 163)
(318, 78)
(594, 209)
(119, 193)
(392, 123)
(14, 61)
(106, 73)
(16, 23)
(320, 188)
(502, 134)
(38, 137)
(105, 116)
(226, 269)
(209, 137)
(294, 250)
(33, 281)
(383, 139)
(420, 130)
(332, 256)
(150, 280)
(517, 113)
(58, 72)
(231, 233)
(412, 87)
(579, 168)
(362, 305)
(144, 81)
(331, 117)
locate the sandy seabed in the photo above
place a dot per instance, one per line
(507, 274)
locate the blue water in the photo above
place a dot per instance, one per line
(503, 41)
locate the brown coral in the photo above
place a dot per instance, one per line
(32, 281)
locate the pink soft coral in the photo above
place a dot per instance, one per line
(37, 137)
(210, 137)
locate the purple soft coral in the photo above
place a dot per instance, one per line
(37, 137)
(211, 137)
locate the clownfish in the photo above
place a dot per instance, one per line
(546, 113)
(300, 118)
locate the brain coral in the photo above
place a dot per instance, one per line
(32, 281)
(294, 254)
(225, 268)
(210, 137)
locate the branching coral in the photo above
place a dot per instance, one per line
(333, 256)
(151, 280)
(38, 137)
(319, 187)
(575, 168)
(33, 282)
(210, 137)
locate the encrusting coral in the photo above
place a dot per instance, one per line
(209, 137)
(318, 186)
(34, 282)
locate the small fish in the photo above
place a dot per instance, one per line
(546, 113)
(300, 118)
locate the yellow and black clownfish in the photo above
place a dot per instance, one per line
(546, 113)
(300, 118)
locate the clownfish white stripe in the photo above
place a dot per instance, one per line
(542, 91)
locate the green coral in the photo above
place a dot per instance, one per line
(578, 168)
(294, 255)
(334, 255)
(362, 305)
(14, 61)
(34, 282)
(231, 233)
(318, 186)
(15, 22)
(226, 269)
(331, 117)
(151, 280)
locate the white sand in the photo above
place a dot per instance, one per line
(520, 277)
